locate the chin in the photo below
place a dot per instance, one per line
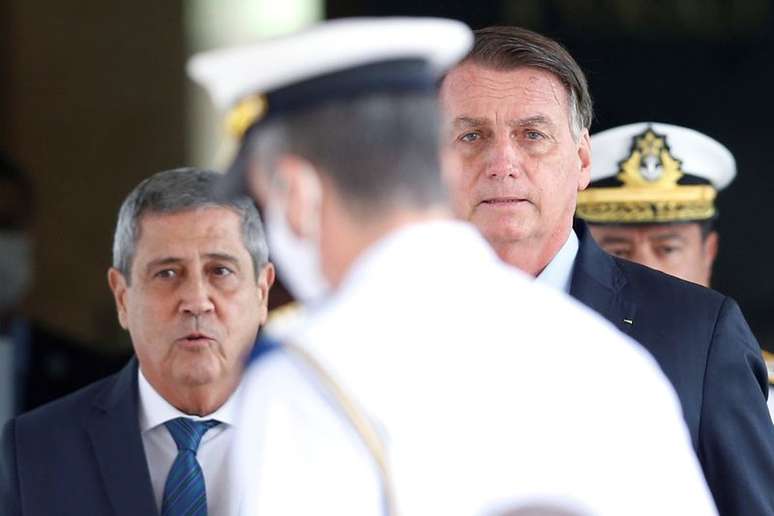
(506, 234)
(504, 229)
(199, 371)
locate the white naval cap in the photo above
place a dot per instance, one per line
(232, 74)
(651, 172)
(335, 60)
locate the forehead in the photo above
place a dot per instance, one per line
(208, 228)
(477, 91)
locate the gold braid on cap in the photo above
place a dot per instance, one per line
(650, 191)
(244, 114)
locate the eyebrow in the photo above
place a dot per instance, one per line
(668, 236)
(539, 120)
(224, 257)
(467, 121)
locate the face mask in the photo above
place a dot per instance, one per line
(15, 268)
(297, 259)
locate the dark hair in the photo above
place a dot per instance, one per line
(379, 150)
(507, 48)
(706, 227)
(178, 190)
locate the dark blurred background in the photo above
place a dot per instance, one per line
(93, 98)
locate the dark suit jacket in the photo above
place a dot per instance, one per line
(80, 455)
(706, 349)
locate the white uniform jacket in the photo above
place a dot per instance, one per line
(487, 390)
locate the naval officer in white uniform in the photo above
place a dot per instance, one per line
(429, 377)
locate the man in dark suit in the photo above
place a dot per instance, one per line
(37, 363)
(190, 278)
(516, 149)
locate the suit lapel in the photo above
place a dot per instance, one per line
(114, 429)
(599, 283)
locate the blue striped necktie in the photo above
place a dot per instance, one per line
(184, 492)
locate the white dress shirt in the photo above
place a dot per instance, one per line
(464, 365)
(558, 272)
(213, 454)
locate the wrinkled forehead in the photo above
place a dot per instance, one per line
(180, 225)
(472, 85)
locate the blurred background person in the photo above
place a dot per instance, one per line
(37, 363)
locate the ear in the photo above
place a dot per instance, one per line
(265, 281)
(303, 193)
(258, 183)
(584, 155)
(710, 245)
(119, 287)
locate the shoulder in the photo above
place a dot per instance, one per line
(668, 290)
(65, 411)
(679, 310)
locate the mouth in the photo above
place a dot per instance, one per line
(503, 201)
(195, 340)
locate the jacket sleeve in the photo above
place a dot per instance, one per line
(736, 435)
(9, 482)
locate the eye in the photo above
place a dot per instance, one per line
(470, 137)
(165, 274)
(534, 135)
(669, 249)
(222, 271)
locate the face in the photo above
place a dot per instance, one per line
(194, 305)
(510, 159)
(676, 249)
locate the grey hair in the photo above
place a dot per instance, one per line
(507, 48)
(175, 191)
(379, 150)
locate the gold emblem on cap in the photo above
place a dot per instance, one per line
(650, 192)
(248, 111)
(650, 163)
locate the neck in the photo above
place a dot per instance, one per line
(532, 255)
(354, 235)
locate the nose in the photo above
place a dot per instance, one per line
(195, 298)
(503, 159)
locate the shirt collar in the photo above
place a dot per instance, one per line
(155, 410)
(558, 272)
